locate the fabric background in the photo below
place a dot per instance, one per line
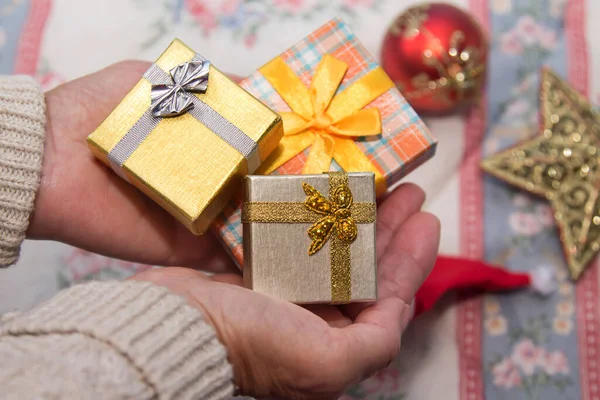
(514, 346)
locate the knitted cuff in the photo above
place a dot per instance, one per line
(175, 351)
(22, 128)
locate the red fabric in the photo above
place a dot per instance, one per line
(451, 273)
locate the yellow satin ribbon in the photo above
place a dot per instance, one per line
(325, 121)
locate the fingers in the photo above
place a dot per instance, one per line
(111, 85)
(374, 339)
(117, 220)
(232, 279)
(403, 202)
(170, 277)
(215, 261)
(204, 253)
(410, 257)
(84, 103)
(332, 315)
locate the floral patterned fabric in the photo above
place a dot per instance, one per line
(511, 346)
(245, 18)
(529, 343)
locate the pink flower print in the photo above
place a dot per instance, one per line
(517, 108)
(565, 288)
(526, 30)
(542, 356)
(565, 308)
(544, 214)
(491, 144)
(386, 381)
(506, 375)
(546, 38)
(295, 7)
(501, 6)
(134, 268)
(229, 7)
(524, 224)
(562, 325)
(533, 119)
(557, 7)
(496, 325)
(250, 40)
(525, 356)
(556, 363)
(203, 13)
(491, 306)
(520, 200)
(81, 264)
(358, 3)
(525, 84)
(511, 44)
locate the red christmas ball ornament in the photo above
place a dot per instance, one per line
(436, 54)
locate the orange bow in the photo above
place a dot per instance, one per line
(324, 120)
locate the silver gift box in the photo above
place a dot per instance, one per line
(276, 253)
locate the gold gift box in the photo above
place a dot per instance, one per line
(182, 164)
(277, 245)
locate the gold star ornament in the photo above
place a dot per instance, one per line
(562, 165)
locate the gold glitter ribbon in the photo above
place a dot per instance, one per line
(332, 219)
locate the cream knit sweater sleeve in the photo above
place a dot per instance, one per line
(22, 124)
(101, 340)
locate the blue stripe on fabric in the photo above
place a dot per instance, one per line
(513, 85)
(12, 24)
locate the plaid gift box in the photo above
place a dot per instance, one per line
(404, 142)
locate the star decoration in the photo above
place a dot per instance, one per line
(562, 164)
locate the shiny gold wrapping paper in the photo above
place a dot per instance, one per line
(182, 165)
(276, 259)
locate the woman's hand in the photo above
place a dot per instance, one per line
(277, 348)
(280, 349)
(84, 203)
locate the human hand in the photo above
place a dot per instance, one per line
(84, 203)
(284, 350)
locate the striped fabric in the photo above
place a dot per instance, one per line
(405, 142)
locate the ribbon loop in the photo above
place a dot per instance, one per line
(175, 98)
(328, 77)
(322, 115)
(192, 76)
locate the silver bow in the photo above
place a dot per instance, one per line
(171, 100)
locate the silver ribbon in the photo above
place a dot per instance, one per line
(172, 94)
(171, 100)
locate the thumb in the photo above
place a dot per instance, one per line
(81, 105)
